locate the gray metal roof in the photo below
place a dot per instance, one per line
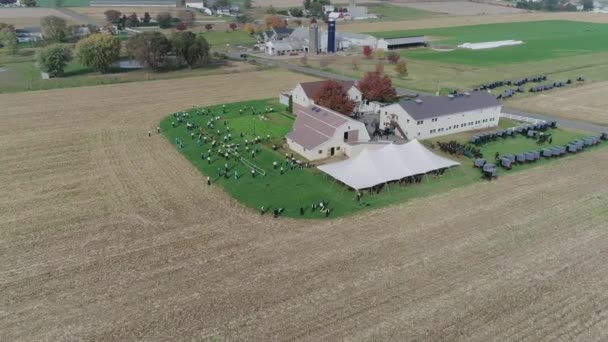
(315, 125)
(407, 40)
(426, 107)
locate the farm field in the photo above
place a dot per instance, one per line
(393, 12)
(430, 76)
(462, 8)
(542, 40)
(452, 21)
(29, 17)
(106, 234)
(585, 103)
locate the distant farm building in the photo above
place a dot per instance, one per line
(320, 133)
(402, 43)
(433, 116)
(315, 40)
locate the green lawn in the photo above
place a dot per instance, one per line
(296, 188)
(219, 39)
(543, 40)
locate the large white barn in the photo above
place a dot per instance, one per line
(433, 116)
(320, 133)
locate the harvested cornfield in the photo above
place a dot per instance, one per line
(462, 8)
(29, 17)
(108, 234)
(586, 103)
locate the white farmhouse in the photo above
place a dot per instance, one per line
(302, 95)
(320, 133)
(433, 116)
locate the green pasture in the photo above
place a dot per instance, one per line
(221, 38)
(543, 40)
(301, 187)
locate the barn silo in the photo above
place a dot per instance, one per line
(331, 35)
(313, 38)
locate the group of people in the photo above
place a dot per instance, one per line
(217, 141)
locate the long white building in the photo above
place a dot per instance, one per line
(433, 116)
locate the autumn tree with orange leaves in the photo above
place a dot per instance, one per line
(331, 95)
(376, 86)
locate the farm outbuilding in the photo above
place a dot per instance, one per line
(320, 133)
(433, 116)
(402, 43)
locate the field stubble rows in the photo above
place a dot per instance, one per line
(106, 234)
(586, 103)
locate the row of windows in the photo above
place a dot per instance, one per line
(461, 125)
(420, 122)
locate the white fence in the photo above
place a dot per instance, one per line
(521, 118)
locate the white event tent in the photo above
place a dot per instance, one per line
(390, 163)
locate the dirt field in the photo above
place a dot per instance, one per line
(587, 103)
(29, 17)
(463, 8)
(277, 3)
(358, 26)
(106, 234)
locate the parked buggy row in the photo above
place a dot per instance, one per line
(507, 161)
(488, 170)
(520, 83)
(528, 130)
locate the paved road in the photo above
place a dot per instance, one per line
(314, 72)
(79, 17)
(572, 124)
(565, 123)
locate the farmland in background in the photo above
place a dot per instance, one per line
(543, 40)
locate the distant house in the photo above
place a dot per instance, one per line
(303, 93)
(433, 116)
(329, 8)
(26, 35)
(320, 133)
(231, 11)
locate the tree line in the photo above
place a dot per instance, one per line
(99, 51)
